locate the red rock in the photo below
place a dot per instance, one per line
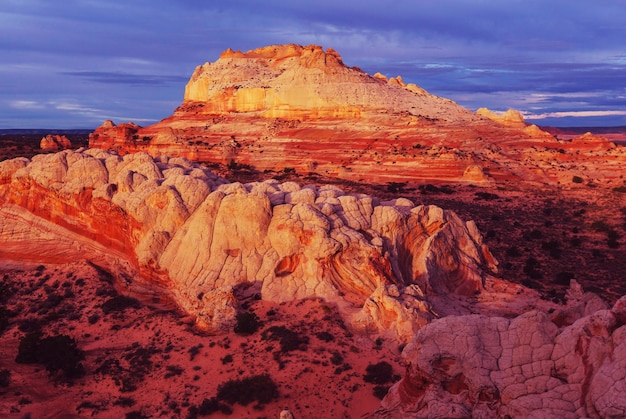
(168, 224)
(55, 142)
(477, 366)
(289, 106)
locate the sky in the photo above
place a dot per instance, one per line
(75, 63)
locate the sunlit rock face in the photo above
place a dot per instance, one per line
(55, 143)
(301, 107)
(529, 366)
(170, 224)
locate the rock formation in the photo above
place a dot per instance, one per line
(54, 143)
(168, 223)
(302, 108)
(529, 366)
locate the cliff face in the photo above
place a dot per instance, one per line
(302, 108)
(169, 224)
(529, 366)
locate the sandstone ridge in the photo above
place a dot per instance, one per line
(300, 107)
(529, 366)
(170, 224)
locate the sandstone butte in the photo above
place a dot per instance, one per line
(302, 108)
(476, 345)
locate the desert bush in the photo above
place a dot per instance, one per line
(577, 179)
(600, 226)
(173, 370)
(381, 391)
(5, 378)
(213, 405)
(6, 290)
(531, 268)
(93, 319)
(4, 319)
(553, 247)
(379, 373)
(125, 402)
(30, 324)
(486, 196)
(247, 323)
(194, 351)
(613, 239)
(513, 251)
(120, 303)
(564, 277)
(288, 340)
(533, 235)
(58, 353)
(336, 358)
(396, 187)
(227, 359)
(325, 336)
(259, 388)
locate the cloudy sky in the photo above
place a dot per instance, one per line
(75, 63)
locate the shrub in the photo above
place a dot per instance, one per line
(613, 239)
(247, 323)
(125, 402)
(564, 277)
(213, 405)
(56, 353)
(380, 392)
(120, 303)
(486, 196)
(194, 351)
(5, 378)
(600, 226)
(513, 251)
(173, 370)
(553, 247)
(4, 319)
(577, 179)
(325, 336)
(380, 373)
(336, 359)
(289, 340)
(396, 187)
(531, 268)
(259, 388)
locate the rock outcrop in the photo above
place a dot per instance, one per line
(171, 224)
(477, 366)
(302, 108)
(54, 143)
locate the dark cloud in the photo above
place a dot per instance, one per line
(479, 53)
(128, 79)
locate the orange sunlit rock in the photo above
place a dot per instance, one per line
(297, 107)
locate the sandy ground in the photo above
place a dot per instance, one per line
(150, 362)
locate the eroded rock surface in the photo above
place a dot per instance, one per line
(54, 143)
(168, 223)
(478, 366)
(302, 108)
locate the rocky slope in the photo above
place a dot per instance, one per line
(535, 365)
(301, 108)
(172, 225)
